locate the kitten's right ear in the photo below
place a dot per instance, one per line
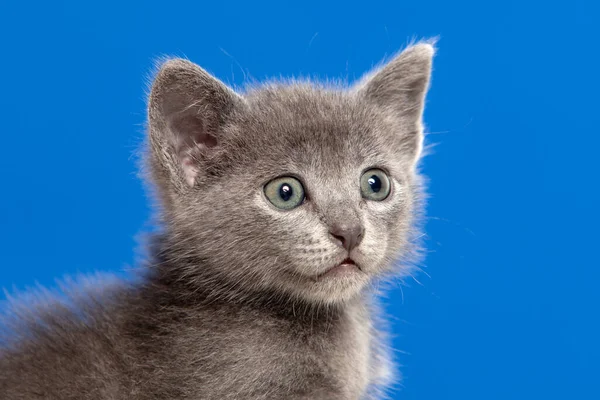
(398, 89)
(187, 109)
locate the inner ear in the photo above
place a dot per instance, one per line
(191, 138)
(190, 131)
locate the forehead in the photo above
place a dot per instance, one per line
(303, 127)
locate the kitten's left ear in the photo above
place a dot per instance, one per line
(398, 89)
(187, 111)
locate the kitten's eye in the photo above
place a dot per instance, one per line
(375, 185)
(285, 192)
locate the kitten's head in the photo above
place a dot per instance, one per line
(295, 188)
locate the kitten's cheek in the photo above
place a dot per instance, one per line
(372, 252)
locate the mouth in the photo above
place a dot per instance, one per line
(346, 267)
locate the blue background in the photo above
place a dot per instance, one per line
(509, 305)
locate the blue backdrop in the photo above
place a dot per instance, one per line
(508, 307)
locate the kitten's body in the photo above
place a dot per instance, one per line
(236, 302)
(206, 350)
(153, 342)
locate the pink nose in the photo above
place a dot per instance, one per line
(347, 236)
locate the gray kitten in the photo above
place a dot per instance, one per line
(280, 207)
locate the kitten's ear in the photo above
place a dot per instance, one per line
(187, 109)
(398, 89)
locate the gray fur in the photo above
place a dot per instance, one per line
(231, 304)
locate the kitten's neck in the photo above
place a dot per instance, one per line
(173, 285)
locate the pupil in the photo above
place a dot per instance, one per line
(375, 183)
(285, 192)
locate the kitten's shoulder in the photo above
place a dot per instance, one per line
(57, 344)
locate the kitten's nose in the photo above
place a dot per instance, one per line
(347, 235)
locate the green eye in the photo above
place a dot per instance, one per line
(375, 185)
(285, 192)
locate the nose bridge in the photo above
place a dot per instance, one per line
(340, 212)
(341, 201)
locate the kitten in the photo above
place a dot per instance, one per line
(280, 207)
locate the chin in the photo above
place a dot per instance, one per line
(336, 288)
